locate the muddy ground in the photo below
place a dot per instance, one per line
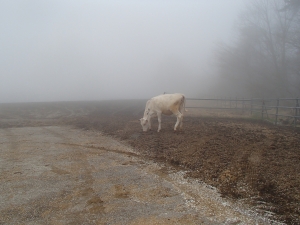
(246, 160)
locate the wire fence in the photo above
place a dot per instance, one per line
(279, 111)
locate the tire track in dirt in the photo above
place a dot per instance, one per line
(55, 201)
(9, 146)
(104, 149)
(82, 171)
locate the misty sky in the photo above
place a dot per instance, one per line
(63, 50)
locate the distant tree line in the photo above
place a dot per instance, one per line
(264, 59)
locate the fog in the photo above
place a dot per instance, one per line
(95, 50)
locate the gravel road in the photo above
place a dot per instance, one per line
(63, 175)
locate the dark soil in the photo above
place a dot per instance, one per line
(243, 158)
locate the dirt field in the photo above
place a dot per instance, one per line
(247, 161)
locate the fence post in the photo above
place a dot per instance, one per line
(296, 112)
(276, 116)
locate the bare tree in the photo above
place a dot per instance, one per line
(264, 58)
(292, 5)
